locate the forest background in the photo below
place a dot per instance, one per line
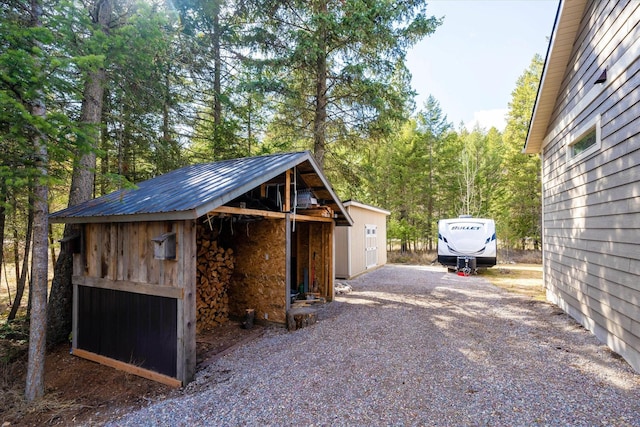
(97, 95)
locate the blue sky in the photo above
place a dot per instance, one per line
(473, 60)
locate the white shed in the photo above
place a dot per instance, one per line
(363, 246)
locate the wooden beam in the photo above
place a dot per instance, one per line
(287, 191)
(186, 322)
(127, 286)
(287, 262)
(268, 214)
(309, 218)
(122, 366)
(251, 212)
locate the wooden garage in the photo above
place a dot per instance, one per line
(186, 251)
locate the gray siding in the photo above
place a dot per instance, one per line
(592, 206)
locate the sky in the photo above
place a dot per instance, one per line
(472, 62)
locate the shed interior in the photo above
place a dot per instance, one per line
(268, 247)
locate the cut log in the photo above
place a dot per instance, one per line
(301, 317)
(214, 270)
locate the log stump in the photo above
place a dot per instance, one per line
(301, 317)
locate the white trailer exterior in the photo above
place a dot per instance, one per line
(467, 237)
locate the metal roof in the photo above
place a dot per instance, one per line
(192, 191)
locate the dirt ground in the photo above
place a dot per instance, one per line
(79, 392)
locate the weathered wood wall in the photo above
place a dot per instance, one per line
(314, 244)
(125, 252)
(120, 256)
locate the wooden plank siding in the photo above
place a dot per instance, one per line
(120, 257)
(591, 220)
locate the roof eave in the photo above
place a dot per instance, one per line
(565, 28)
(161, 216)
(342, 219)
(367, 207)
(343, 210)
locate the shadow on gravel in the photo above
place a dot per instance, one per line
(483, 324)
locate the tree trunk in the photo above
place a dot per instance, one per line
(39, 280)
(34, 388)
(82, 183)
(217, 73)
(51, 247)
(320, 119)
(21, 274)
(3, 218)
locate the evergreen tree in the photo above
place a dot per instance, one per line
(334, 61)
(520, 207)
(434, 127)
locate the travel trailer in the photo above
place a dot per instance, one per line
(466, 243)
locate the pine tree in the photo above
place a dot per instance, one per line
(334, 61)
(519, 217)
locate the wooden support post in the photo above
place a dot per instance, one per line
(331, 260)
(287, 257)
(287, 191)
(186, 322)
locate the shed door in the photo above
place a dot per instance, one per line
(371, 245)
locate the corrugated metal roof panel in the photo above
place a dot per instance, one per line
(191, 191)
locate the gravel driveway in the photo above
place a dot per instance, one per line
(414, 346)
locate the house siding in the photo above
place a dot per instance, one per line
(592, 206)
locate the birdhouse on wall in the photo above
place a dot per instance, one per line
(72, 244)
(164, 246)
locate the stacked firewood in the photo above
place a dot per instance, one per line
(215, 267)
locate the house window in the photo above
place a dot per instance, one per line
(587, 142)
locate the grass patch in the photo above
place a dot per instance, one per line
(524, 279)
